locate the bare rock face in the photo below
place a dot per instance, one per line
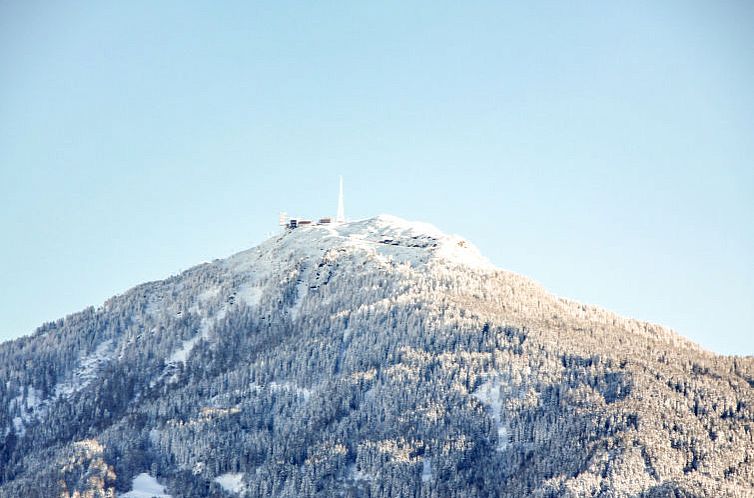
(376, 358)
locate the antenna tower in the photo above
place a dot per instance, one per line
(341, 216)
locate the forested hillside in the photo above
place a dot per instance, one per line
(378, 358)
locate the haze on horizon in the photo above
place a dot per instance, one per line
(604, 151)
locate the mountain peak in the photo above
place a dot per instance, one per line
(385, 237)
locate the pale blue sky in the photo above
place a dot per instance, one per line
(607, 151)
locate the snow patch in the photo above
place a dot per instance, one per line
(489, 395)
(302, 289)
(358, 475)
(18, 426)
(146, 486)
(250, 294)
(427, 470)
(184, 351)
(209, 294)
(291, 387)
(87, 371)
(29, 408)
(231, 482)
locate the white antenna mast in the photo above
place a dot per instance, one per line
(341, 216)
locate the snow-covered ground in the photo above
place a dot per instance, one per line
(231, 482)
(385, 237)
(146, 486)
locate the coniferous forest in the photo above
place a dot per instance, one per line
(373, 359)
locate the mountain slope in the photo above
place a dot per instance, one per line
(374, 358)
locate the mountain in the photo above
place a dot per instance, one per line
(377, 358)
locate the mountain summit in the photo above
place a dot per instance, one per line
(377, 358)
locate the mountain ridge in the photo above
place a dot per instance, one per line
(476, 260)
(238, 261)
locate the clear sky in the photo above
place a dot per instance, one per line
(606, 149)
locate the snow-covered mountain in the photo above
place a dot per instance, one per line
(373, 358)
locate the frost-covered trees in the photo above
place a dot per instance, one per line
(372, 360)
